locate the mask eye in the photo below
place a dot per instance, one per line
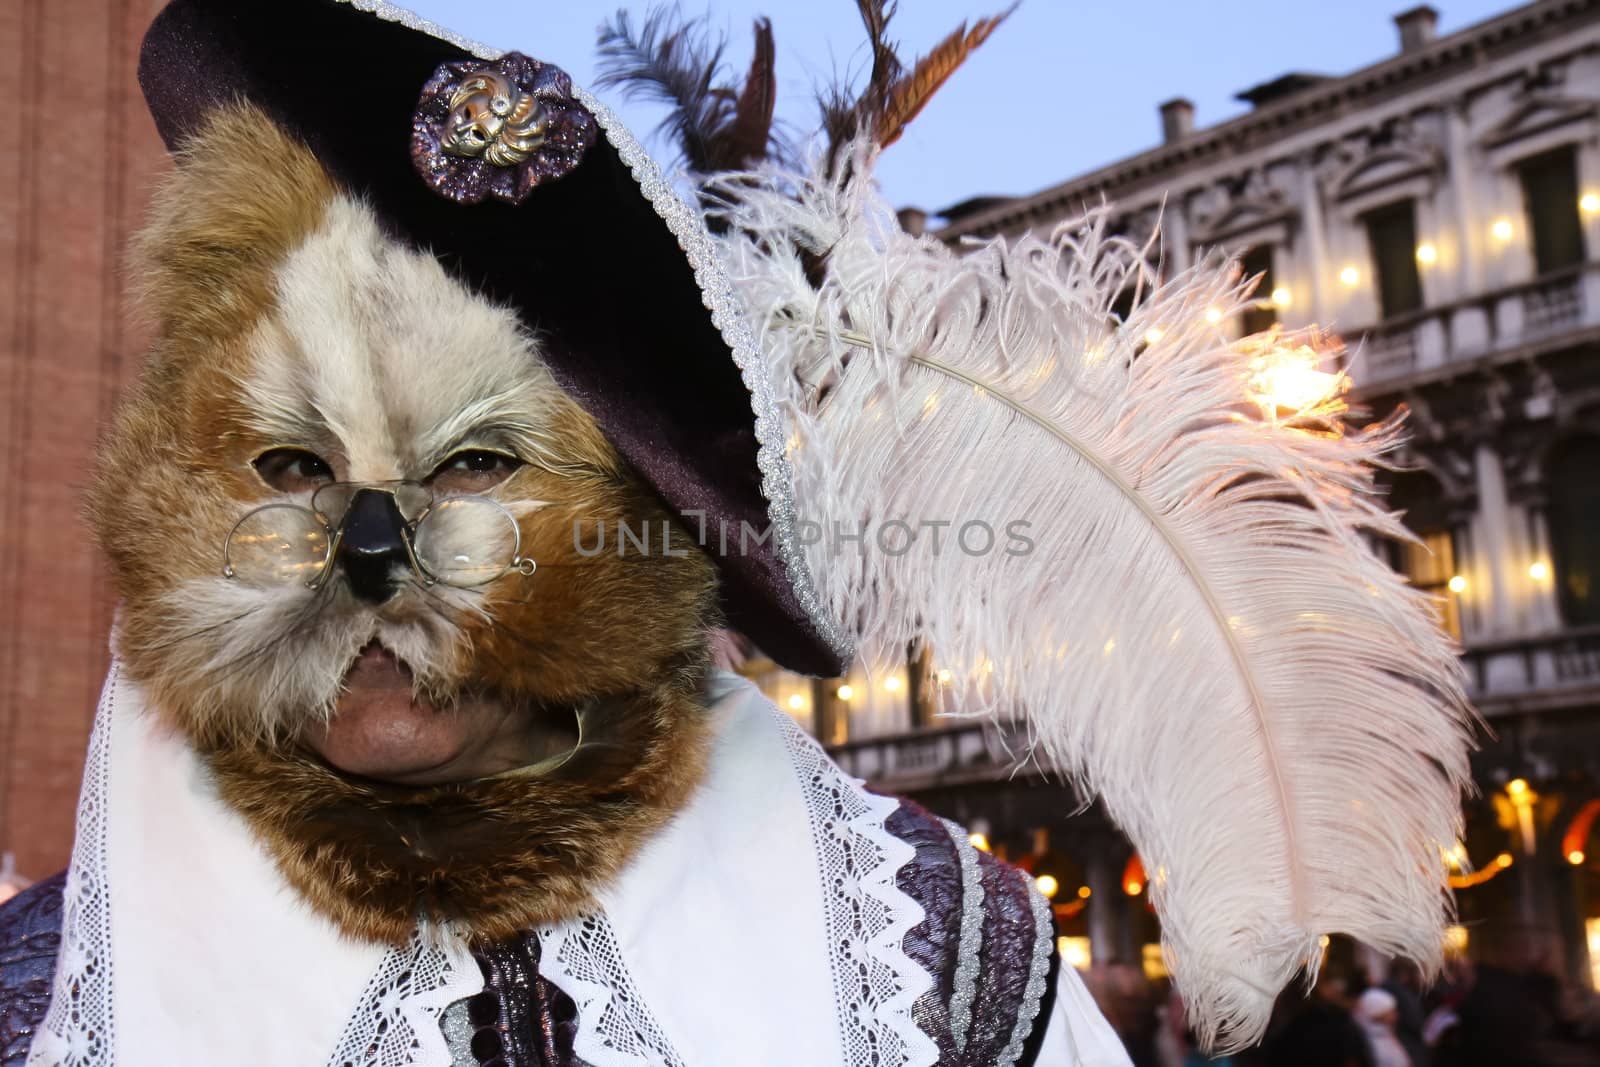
(472, 470)
(293, 470)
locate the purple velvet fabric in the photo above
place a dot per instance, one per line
(934, 878)
(585, 259)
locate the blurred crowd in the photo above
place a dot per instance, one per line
(1475, 1015)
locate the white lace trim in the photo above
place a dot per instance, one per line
(615, 1028)
(875, 983)
(77, 1027)
(397, 1021)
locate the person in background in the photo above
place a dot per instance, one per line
(1377, 1013)
(1320, 1032)
(1197, 1058)
(1405, 985)
(1176, 1045)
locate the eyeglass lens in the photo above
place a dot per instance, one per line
(461, 541)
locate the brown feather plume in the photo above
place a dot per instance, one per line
(679, 63)
(910, 94)
(892, 97)
(747, 138)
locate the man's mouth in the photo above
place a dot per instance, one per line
(381, 729)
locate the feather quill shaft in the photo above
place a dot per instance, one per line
(1241, 664)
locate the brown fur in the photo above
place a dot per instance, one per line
(624, 636)
(496, 856)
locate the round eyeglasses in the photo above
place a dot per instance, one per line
(463, 541)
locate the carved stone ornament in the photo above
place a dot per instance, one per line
(498, 128)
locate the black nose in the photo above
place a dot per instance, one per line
(372, 551)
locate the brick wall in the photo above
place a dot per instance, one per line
(77, 166)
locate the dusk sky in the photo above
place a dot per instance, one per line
(1061, 88)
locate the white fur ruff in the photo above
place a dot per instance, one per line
(1191, 620)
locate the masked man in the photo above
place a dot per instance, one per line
(433, 489)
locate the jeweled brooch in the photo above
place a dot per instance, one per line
(498, 128)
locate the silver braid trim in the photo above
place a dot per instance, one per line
(411, 20)
(971, 940)
(1038, 974)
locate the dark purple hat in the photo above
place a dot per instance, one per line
(526, 189)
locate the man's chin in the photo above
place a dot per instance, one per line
(382, 729)
(391, 735)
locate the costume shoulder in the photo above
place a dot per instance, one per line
(987, 940)
(30, 936)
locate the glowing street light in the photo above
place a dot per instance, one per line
(1290, 379)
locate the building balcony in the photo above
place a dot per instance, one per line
(955, 752)
(1527, 675)
(1510, 323)
(1536, 673)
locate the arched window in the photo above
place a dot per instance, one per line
(1431, 564)
(1574, 515)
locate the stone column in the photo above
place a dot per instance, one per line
(1544, 611)
(1493, 538)
(1175, 236)
(1316, 242)
(1469, 326)
(1458, 163)
(1105, 940)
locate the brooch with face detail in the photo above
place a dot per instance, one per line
(498, 128)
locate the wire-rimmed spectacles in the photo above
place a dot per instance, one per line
(463, 541)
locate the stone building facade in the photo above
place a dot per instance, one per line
(1440, 211)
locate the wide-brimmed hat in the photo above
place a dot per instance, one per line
(566, 219)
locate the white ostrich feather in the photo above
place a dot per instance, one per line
(1201, 634)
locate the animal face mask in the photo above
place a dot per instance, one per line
(408, 746)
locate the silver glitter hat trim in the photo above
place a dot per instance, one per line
(411, 20)
(727, 315)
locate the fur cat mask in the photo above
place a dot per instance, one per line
(487, 756)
